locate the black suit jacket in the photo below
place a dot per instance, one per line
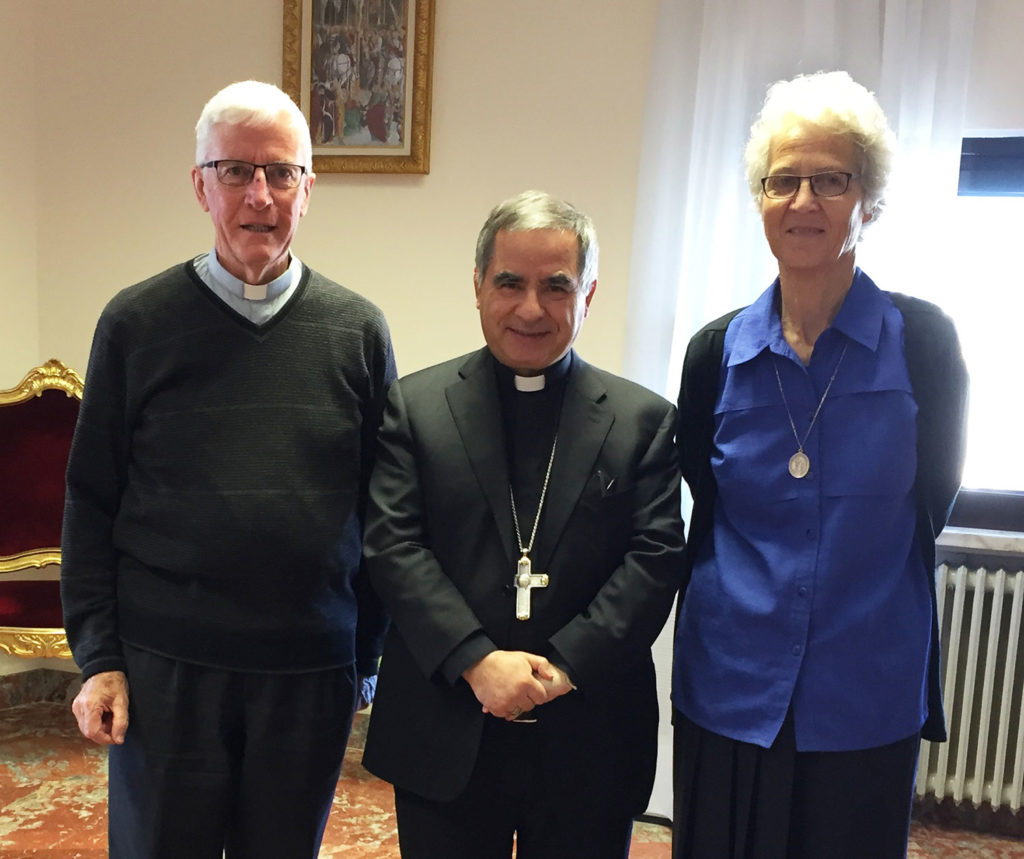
(441, 551)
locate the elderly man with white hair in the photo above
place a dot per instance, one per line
(212, 534)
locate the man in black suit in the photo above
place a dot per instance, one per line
(524, 534)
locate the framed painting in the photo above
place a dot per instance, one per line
(361, 70)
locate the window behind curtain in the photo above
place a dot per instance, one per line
(985, 295)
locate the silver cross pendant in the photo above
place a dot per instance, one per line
(526, 579)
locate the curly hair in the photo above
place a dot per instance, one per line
(836, 103)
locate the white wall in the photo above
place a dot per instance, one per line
(995, 96)
(101, 96)
(535, 94)
(548, 96)
(17, 664)
(100, 126)
(19, 298)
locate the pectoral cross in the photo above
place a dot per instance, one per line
(526, 579)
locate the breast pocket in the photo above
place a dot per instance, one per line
(605, 515)
(870, 444)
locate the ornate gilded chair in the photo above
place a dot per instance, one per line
(37, 420)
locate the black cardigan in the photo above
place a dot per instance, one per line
(938, 377)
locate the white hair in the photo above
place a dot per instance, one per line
(836, 103)
(252, 103)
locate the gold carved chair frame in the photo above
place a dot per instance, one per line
(24, 640)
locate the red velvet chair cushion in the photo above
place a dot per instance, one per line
(35, 437)
(30, 604)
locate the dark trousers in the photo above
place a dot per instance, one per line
(506, 796)
(735, 800)
(226, 763)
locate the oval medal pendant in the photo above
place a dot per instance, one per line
(799, 464)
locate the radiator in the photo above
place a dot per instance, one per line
(983, 675)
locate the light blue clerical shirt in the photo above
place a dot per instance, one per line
(257, 304)
(810, 591)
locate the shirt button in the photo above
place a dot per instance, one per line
(802, 591)
(796, 649)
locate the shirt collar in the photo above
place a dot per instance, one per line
(236, 286)
(760, 327)
(555, 373)
(860, 317)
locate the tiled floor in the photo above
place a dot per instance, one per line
(53, 801)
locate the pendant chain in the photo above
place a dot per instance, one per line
(540, 504)
(821, 402)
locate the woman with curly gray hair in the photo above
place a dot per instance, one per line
(820, 431)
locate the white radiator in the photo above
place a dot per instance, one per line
(983, 675)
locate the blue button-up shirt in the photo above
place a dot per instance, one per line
(810, 592)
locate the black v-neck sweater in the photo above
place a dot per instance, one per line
(217, 480)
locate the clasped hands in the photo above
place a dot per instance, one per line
(508, 683)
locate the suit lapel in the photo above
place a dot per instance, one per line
(476, 410)
(582, 429)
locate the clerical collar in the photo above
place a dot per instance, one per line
(253, 291)
(529, 383)
(553, 375)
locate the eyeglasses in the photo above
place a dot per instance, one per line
(830, 184)
(281, 176)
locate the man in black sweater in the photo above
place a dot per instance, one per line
(212, 545)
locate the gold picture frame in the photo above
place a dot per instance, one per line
(346, 63)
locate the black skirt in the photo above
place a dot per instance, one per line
(736, 800)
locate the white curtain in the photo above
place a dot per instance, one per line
(698, 247)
